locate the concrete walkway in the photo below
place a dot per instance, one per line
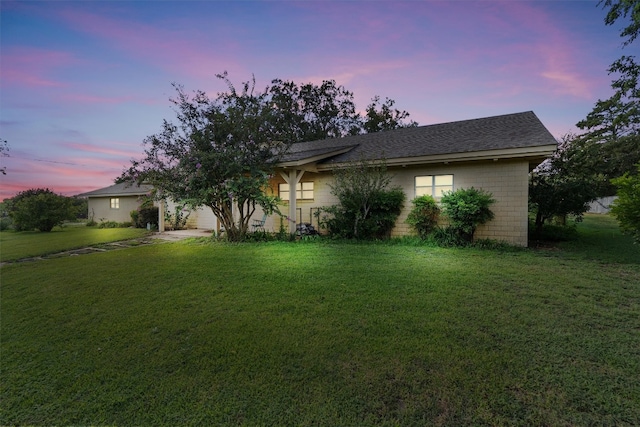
(104, 247)
(181, 234)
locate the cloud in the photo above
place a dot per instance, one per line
(33, 67)
(170, 47)
(106, 149)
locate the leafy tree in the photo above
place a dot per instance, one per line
(564, 185)
(626, 208)
(621, 9)
(40, 209)
(619, 115)
(424, 215)
(220, 154)
(380, 117)
(310, 112)
(4, 152)
(367, 207)
(466, 209)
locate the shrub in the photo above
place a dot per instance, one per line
(109, 224)
(626, 208)
(5, 224)
(367, 207)
(424, 215)
(135, 215)
(39, 209)
(147, 215)
(466, 209)
(345, 220)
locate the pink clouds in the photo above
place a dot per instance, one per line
(167, 47)
(106, 149)
(32, 67)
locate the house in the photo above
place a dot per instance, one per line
(493, 153)
(115, 203)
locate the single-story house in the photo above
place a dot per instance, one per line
(115, 203)
(493, 153)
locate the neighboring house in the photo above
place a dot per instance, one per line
(493, 153)
(602, 205)
(115, 203)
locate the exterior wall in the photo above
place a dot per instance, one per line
(100, 208)
(201, 218)
(506, 180)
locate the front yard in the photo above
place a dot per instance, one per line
(311, 333)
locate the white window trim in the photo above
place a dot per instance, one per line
(304, 191)
(114, 202)
(432, 188)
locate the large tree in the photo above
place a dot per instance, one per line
(557, 188)
(383, 116)
(220, 154)
(39, 209)
(222, 151)
(619, 115)
(309, 112)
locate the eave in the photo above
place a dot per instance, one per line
(534, 155)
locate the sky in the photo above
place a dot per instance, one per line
(82, 83)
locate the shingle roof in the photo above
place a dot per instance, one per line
(122, 189)
(511, 131)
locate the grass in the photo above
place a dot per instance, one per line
(14, 246)
(324, 334)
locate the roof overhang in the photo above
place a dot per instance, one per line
(534, 155)
(309, 160)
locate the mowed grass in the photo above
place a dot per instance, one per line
(14, 246)
(200, 333)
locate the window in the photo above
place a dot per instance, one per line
(115, 203)
(433, 185)
(304, 191)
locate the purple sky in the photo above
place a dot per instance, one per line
(83, 83)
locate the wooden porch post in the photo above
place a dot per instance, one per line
(293, 178)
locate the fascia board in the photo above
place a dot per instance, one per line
(524, 153)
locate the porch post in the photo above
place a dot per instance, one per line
(292, 179)
(161, 216)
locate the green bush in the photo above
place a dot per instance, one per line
(342, 221)
(39, 209)
(424, 215)
(5, 224)
(626, 208)
(147, 215)
(135, 215)
(109, 224)
(466, 209)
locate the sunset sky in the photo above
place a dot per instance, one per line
(83, 83)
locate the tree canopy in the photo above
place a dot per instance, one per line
(221, 152)
(39, 209)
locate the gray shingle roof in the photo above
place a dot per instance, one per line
(519, 130)
(122, 189)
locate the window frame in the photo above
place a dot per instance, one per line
(435, 190)
(303, 188)
(114, 202)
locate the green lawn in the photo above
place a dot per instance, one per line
(26, 244)
(201, 333)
